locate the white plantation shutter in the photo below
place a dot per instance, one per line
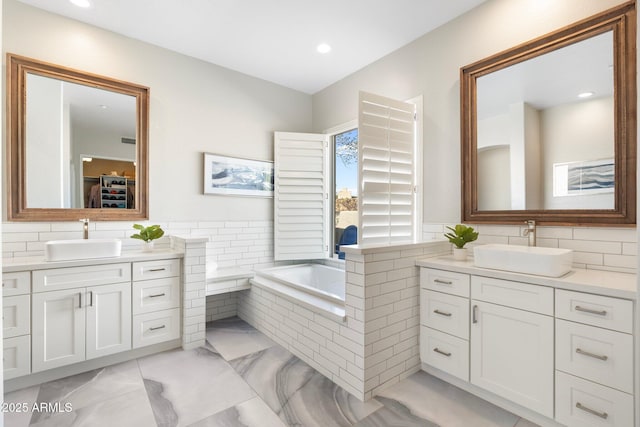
(386, 135)
(300, 196)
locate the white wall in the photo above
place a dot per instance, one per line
(45, 157)
(195, 107)
(431, 65)
(577, 132)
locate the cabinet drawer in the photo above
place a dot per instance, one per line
(444, 312)
(17, 283)
(597, 310)
(17, 356)
(524, 296)
(16, 315)
(596, 354)
(80, 277)
(155, 295)
(156, 269)
(156, 327)
(586, 404)
(445, 352)
(445, 281)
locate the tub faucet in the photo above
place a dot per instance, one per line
(85, 227)
(530, 231)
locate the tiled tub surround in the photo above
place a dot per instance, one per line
(376, 344)
(602, 248)
(578, 338)
(173, 272)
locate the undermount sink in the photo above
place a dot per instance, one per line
(551, 262)
(67, 250)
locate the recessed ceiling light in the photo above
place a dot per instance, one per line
(585, 94)
(87, 159)
(104, 107)
(81, 3)
(323, 48)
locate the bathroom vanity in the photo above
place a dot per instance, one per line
(62, 318)
(558, 351)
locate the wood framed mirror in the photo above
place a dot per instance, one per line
(548, 128)
(77, 144)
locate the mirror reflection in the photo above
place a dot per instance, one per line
(545, 131)
(77, 144)
(84, 138)
(548, 127)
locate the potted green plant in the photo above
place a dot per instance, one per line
(460, 236)
(148, 235)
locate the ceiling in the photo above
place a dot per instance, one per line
(274, 40)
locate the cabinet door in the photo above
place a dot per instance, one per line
(108, 319)
(512, 355)
(58, 329)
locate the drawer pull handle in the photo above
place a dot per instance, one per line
(442, 313)
(91, 299)
(156, 328)
(157, 269)
(79, 299)
(591, 311)
(443, 282)
(586, 353)
(156, 295)
(444, 353)
(602, 415)
(475, 314)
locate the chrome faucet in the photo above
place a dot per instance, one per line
(85, 227)
(530, 231)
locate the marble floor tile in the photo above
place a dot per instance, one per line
(299, 394)
(429, 398)
(130, 409)
(233, 338)
(20, 400)
(188, 386)
(252, 413)
(89, 388)
(394, 414)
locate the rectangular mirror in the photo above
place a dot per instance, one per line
(77, 144)
(548, 127)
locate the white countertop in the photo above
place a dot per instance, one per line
(38, 263)
(602, 282)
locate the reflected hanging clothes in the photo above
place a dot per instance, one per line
(131, 193)
(93, 200)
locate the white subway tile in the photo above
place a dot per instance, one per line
(592, 246)
(606, 234)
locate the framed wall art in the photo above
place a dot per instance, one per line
(236, 176)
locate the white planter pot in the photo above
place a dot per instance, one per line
(148, 246)
(460, 254)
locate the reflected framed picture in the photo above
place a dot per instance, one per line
(583, 178)
(236, 176)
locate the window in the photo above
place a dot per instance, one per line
(345, 189)
(383, 147)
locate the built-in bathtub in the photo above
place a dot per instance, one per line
(318, 286)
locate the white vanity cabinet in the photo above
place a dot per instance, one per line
(594, 360)
(512, 347)
(16, 301)
(78, 323)
(156, 296)
(556, 356)
(444, 321)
